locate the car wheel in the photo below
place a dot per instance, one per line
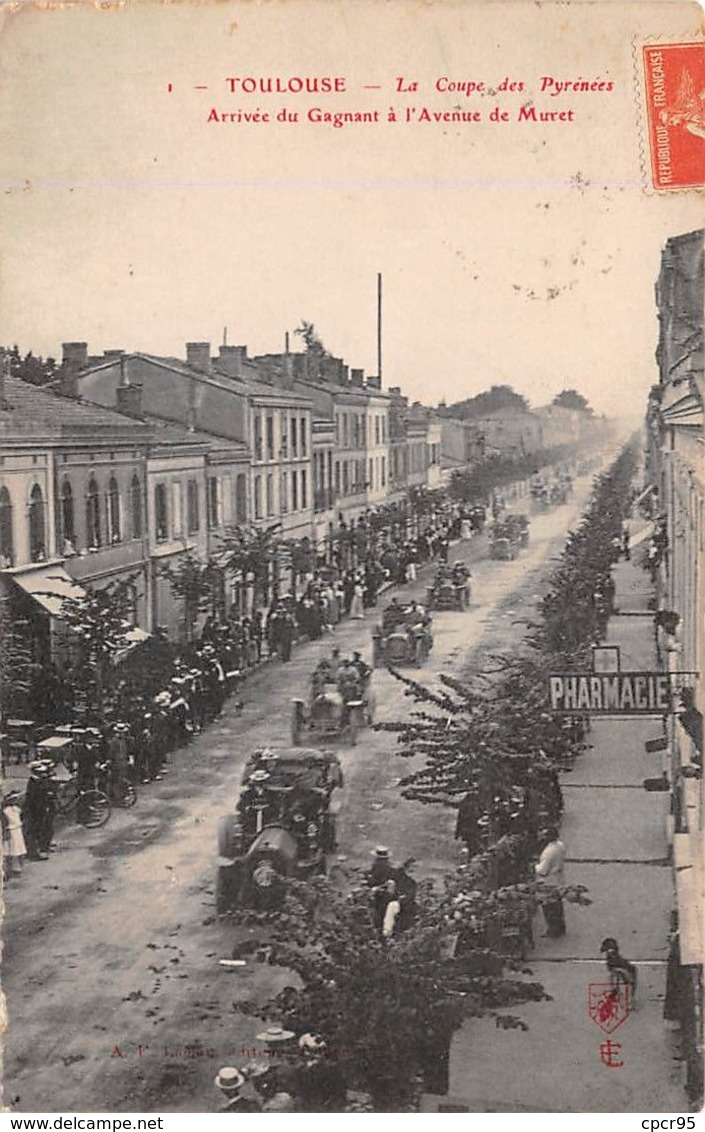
(97, 809)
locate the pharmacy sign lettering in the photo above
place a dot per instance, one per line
(612, 693)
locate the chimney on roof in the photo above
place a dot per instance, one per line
(231, 359)
(287, 373)
(357, 377)
(374, 382)
(74, 359)
(129, 400)
(198, 356)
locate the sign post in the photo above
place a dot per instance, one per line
(610, 692)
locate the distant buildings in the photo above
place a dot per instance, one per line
(514, 433)
(462, 443)
(510, 432)
(414, 446)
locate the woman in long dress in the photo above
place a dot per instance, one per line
(356, 606)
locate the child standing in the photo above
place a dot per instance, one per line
(13, 844)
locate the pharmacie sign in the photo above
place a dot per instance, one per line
(611, 693)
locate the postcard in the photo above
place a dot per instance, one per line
(351, 557)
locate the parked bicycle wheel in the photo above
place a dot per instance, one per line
(124, 794)
(66, 797)
(96, 808)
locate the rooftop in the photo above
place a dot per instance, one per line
(30, 410)
(249, 384)
(167, 432)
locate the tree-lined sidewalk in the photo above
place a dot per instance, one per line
(616, 844)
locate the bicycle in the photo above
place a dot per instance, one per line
(120, 792)
(90, 807)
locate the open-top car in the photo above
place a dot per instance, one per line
(503, 548)
(450, 588)
(404, 636)
(509, 536)
(340, 702)
(282, 826)
(517, 529)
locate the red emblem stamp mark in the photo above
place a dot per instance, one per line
(608, 1005)
(675, 105)
(610, 1054)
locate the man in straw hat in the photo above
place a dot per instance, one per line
(381, 869)
(38, 810)
(230, 1081)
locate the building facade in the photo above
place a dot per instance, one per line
(676, 467)
(462, 443)
(259, 457)
(73, 506)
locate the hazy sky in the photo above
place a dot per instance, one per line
(518, 252)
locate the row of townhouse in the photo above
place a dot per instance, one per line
(675, 465)
(132, 461)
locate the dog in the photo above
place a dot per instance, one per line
(620, 969)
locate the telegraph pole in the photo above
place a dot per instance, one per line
(379, 326)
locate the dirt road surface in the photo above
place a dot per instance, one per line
(115, 995)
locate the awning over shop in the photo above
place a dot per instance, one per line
(646, 492)
(132, 638)
(49, 586)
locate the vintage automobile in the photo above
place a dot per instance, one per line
(404, 636)
(283, 826)
(562, 490)
(503, 548)
(450, 588)
(340, 703)
(509, 536)
(517, 529)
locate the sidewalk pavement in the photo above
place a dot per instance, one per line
(616, 844)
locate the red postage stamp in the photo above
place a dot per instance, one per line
(608, 1005)
(675, 107)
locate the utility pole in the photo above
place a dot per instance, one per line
(379, 326)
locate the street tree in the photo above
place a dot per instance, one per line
(31, 368)
(311, 339)
(387, 1009)
(571, 399)
(249, 550)
(193, 582)
(18, 667)
(101, 625)
(489, 734)
(491, 400)
(199, 583)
